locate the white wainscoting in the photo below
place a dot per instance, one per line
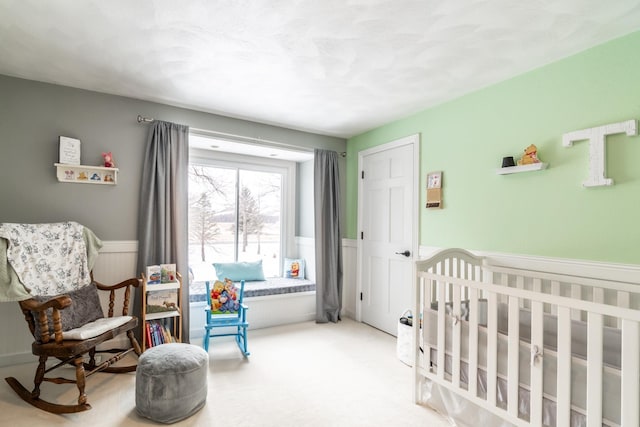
(117, 262)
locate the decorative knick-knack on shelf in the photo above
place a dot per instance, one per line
(530, 156)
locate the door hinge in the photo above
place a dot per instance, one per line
(362, 235)
(360, 296)
(362, 175)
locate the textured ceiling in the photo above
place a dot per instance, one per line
(336, 67)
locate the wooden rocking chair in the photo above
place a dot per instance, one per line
(72, 346)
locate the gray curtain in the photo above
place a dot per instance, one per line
(327, 237)
(162, 220)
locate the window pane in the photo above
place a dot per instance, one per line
(218, 197)
(211, 218)
(259, 219)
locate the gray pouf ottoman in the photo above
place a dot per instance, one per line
(171, 382)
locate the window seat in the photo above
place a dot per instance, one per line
(271, 286)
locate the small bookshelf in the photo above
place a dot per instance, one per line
(161, 313)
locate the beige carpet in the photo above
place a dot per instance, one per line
(344, 374)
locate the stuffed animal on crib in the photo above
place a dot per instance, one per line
(530, 156)
(108, 160)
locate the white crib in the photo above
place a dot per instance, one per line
(531, 348)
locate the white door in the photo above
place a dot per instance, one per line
(387, 220)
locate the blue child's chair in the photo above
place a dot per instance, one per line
(226, 310)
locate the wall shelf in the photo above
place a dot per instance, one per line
(524, 168)
(81, 174)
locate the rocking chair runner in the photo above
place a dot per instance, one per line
(73, 351)
(60, 303)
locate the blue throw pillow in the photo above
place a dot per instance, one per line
(294, 268)
(237, 271)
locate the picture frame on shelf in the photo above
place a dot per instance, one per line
(69, 150)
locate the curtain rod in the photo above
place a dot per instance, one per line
(231, 135)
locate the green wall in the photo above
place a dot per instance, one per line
(546, 212)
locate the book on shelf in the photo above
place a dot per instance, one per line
(157, 333)
(153, 275)
(162, 301)
(167, 273)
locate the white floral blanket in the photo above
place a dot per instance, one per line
(49, 259)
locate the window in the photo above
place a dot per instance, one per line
(239, 210)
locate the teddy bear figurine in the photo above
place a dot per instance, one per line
(530, 156)
(108, 160)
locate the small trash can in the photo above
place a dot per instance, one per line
(404, 346)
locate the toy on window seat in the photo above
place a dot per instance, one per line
(530, 156)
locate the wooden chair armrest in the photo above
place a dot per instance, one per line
(58, 302)
(126, 285)
(129, 282)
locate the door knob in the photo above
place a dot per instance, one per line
(405, 253)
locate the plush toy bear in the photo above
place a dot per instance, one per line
(108, 160)
(530, 156)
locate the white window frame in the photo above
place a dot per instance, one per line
(287, 203)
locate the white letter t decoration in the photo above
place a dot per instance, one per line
(597, 153)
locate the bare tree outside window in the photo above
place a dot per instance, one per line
(250, 219)
(203, 227)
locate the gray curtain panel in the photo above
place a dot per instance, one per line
(327, 237)
(162, 225)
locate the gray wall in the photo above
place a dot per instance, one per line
(33, 115)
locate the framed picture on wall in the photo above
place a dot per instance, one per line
(434, 179)
(434, 189)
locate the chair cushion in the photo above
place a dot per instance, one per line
(237, 271)
(85, 307)
(95, 328)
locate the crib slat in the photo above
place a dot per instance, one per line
(555, 290)
(623, 300)
(537, 333)
(598, 295)
(563, 387)
(492, 347)
(576, 293)
(456, 337)
(504, 281)
(513, 355)
(520, 285)
(594, 369)
(630, 374)
(441, 328)
(473, 342)
(426, 327)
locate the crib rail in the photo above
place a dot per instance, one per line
(457, 284)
